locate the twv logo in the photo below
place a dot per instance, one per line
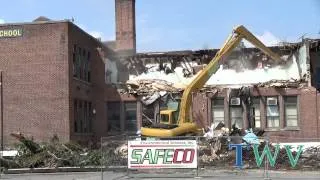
(266, 152)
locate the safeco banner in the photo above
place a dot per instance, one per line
(162, 154)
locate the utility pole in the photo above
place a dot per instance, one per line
(1, 111)
(1, 84)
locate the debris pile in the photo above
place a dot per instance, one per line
(148, 86)
(310, 158)
(292, 83)
(56, 154)
(215, 152)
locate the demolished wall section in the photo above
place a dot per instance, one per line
(238, 70)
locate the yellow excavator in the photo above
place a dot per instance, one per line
(184, 125)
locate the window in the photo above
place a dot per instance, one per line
(85, 67)
(75, 115)
(90, 113)
(217, 111)
(273, 117)
(291, 111)
(82, 116)
(131, 116)
(85, 116)
(89, 67)
(81, 63)
(236, 116)
(165, 118)
(148, 112)
(317, 78)
(78, 57)
(256, 112)
(74, 60)
(113, 115)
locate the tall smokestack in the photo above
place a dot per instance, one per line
(125, 27)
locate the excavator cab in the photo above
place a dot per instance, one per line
(166, 117)
(171, 114)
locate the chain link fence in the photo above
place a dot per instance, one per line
(114, 153)
(299, 156)
(264, 157)
(227, 156)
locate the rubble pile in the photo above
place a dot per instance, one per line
(216, 153)
(56, 154)
(293, 83)
(213, 152)
(150, 86)
(310, 158)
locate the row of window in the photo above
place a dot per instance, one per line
(81, 63)
(114, 116)
(82, 116)
(272, 109)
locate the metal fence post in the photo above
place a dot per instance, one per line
(198, 157)
(127, 140)
(102, 157)
(266, 165)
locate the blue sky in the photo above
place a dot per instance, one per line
(164, 25)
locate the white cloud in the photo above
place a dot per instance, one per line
(97, 34)
(266, 38)
(2, 21)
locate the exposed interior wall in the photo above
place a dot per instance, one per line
(111, 71)
(239, 69)
(315, 68)
(302, 60)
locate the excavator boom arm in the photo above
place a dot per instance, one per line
(238, 34)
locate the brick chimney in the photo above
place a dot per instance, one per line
(125, 27)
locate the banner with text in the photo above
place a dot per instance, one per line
(144, 154)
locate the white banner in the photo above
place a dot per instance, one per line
(162, 154)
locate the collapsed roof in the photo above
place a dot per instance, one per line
(173, 71)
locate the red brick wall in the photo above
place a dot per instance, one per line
(97, 91)
(36, 81)
(306, 111)
(200, 110)
(125, 25)
(309, 119)
(39, 87)
(92, 91)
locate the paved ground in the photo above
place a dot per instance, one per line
(122, 175)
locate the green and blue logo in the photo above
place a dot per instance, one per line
(266, 152)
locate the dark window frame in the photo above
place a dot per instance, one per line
(296, 104)
(256, 104)
(81, 63)
(272, 118)
(82, 116)
(112, 120)
(219, 106)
